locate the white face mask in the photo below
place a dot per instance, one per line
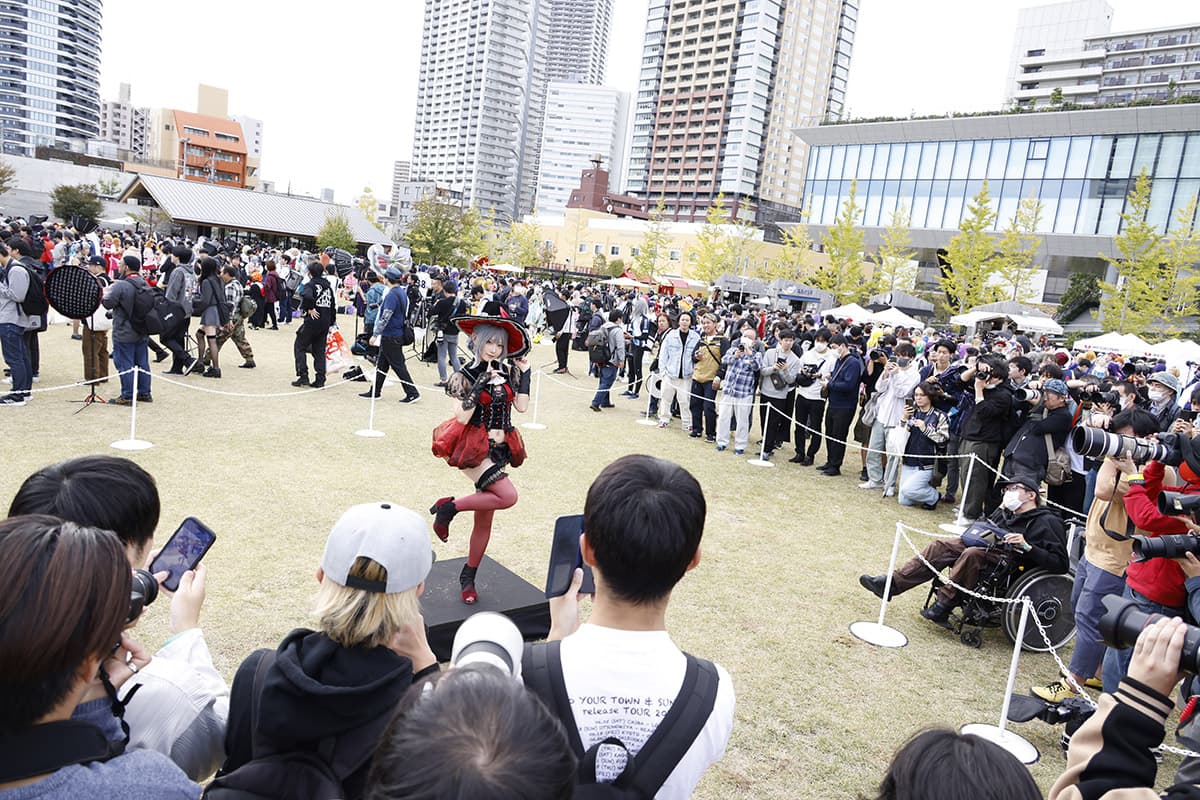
(1012, 499)
(1157, 395)
(820, 347)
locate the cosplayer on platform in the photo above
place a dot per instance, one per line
(480, 439)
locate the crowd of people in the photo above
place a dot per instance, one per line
(359, 707)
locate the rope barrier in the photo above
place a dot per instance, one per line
(81, 384)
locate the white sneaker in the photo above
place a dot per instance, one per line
(889, 492)
(870, 485)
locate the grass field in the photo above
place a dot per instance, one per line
(819, 713)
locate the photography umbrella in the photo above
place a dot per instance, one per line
(75, 293)
(557, 310)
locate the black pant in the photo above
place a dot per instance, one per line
(391, 356)
(31, 349)
(562, 348)
(310, 339)
(634, 362)
(810, 413)
(837, 426)
(176, 344)
(270, 312)
(704, 407)
(778, 416)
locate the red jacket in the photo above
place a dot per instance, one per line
(1159, 579)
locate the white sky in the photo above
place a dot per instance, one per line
(336, 83)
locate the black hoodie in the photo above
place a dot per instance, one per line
(1043, 530)
(316, 690)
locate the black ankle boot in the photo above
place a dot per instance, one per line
(466, 579)
(444, 511)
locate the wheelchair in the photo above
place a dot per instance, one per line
(1049, 594)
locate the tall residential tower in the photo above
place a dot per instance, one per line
(480, 99)
(578, 43)
(723, 84)
(50, 75)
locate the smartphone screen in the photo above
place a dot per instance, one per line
(183, 551)
(565, 557)
(1187, 415)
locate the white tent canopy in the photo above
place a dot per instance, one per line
(626, 283)
(504, 268)
(1177, 353)
(853, 312)
(1025, 318)
(1126, 344)
(894, 317)
(761, 301)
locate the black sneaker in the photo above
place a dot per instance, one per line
(318, 384)
(145, 398)
(370, 394)
(248, 365)
(301, 381)
(12, 400)
(412, 398)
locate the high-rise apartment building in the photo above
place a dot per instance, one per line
(582, 122)
(1065, 53)
(480, 97)
(578, 41)
(49, 73)
(401, 174)
(252, 128)
(124, 124)
(721, 88)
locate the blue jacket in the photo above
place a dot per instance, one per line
(844, 381)
(677, 357)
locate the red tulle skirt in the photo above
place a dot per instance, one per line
(466, 446)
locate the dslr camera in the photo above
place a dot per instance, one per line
(1172, 545)
(1123, 622)
(142, 592)
(983, 370)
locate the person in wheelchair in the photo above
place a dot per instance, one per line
(1035, 538)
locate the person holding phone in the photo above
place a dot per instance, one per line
(182, 705)
(480, 439)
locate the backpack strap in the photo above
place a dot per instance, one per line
(266, 658)
(674, 736)
(541, 667)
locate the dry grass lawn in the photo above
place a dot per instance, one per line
(819, 713)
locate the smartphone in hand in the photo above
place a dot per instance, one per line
(183, 551)
(565, 557)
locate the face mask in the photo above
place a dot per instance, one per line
(902, 362)
(1012, 500)
(820, 347)
(1157, 396)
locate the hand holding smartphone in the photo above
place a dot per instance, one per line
(565, 557)
(183, 551)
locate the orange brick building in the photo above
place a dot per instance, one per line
(206, 149)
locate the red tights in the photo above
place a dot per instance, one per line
(500, 495)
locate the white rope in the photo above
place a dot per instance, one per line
(84, 384)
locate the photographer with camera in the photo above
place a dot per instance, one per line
(1156, 584)
(66, 593)
(987, 412)
(1029, 449)
(813, 371)
(1162, 388)
(928, 431)
(947, 372)
(895, 386)
(1034, 538)
(780, 371)
(1101, 568)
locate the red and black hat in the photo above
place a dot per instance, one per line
(495, 314)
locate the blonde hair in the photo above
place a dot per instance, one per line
(357, 618)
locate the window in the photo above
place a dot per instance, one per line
(673, 255)
(227, 137)
(194, 131)
(1039, 148)
(583, 247)
(598, 249)
(634, 252)
(614, 250)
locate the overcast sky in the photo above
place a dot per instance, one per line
(336, 83)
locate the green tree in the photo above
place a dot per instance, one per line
(600, 263)
(1182, 254)
(435, 234)
(521, 244)
(369, 206)
(793, 260)
(335, 231)
(152, 219)
(474, 232)
(1017, 248)
(655, 241)
(712, 256)
(894, 270)
(107, 187)
(8, 176)
(843, 242)
(1140, 295)
(744, 247)
(616, 267)
(546, 253)
(970, 254)
(81, 200)
(1056, 97)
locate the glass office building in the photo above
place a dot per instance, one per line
(1080, 165)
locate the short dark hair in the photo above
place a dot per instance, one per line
(837, 340)
(209, 267)
(315, 269)
(943, 765)
(614, 315)
(931, 389)
(1022, 363)
(64, 598)
(475, 733)
(1142, 421)
(21, 245)
(643, 518)
(823, 335)
(230, 270)
(786, 333)
(1051, 371)
(97, 491)
(906, 350)
(183, 254)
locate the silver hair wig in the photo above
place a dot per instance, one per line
(486, 333)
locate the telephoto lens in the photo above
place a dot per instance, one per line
(1172, 545)
(1176, 504)
(1027, 396)
(489, 638)
(1098, 443)
(142, 592)
(1123, 622)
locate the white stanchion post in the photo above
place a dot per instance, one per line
(1020, 747)
(960, 521)
(646, 419)
(537, 395)
(369, 432)
(132, 443)
(762, 461)
(877, 633)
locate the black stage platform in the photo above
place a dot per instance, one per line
(499, 590)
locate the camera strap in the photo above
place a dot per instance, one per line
(1130, 528)
(44, 749)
